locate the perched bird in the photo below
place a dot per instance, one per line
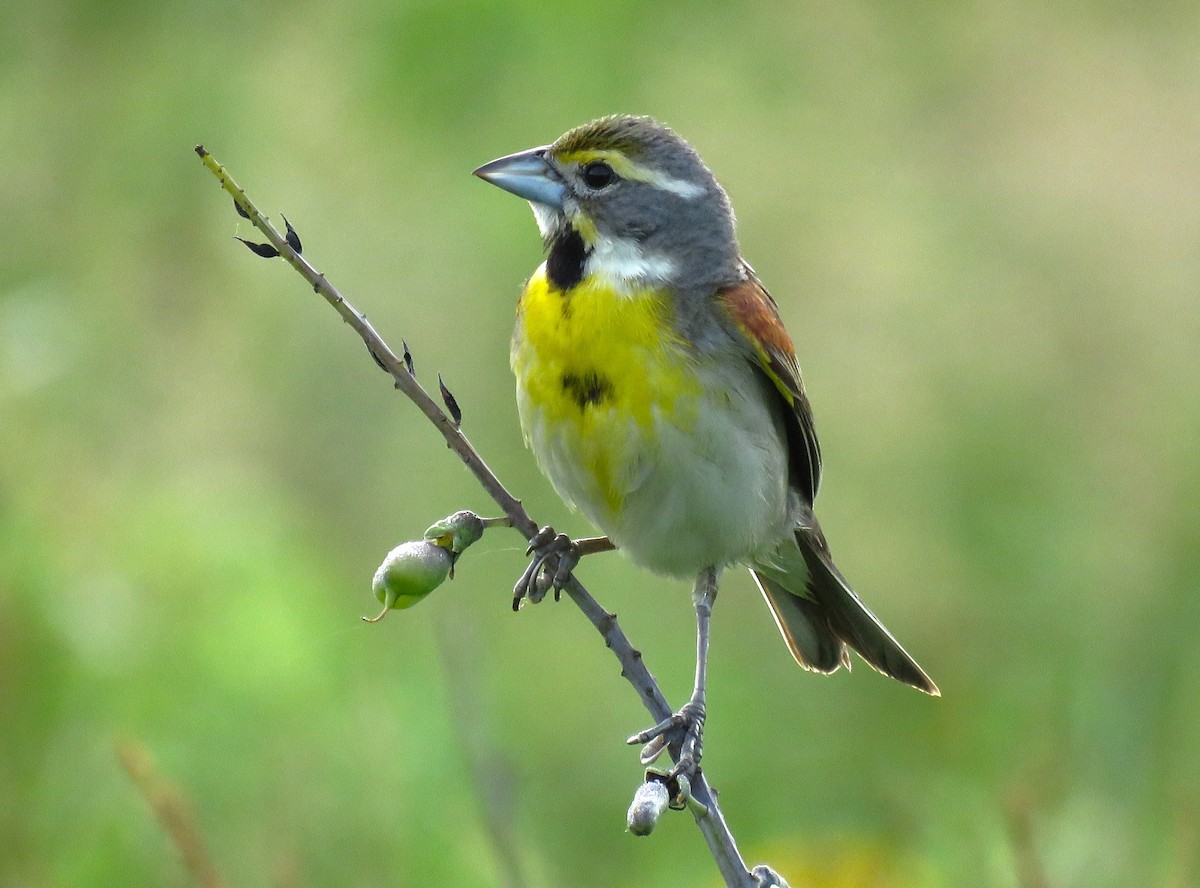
(660, 394)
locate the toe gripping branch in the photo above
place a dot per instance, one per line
(684, 731)
(555, 556)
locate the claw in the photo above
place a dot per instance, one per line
(540, 539)
(685, 727)
(568, 560)
(653, 750)
(555, 556)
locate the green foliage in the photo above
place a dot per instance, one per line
(979, 222)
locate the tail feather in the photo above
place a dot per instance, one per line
(804, 627)
(819, 619)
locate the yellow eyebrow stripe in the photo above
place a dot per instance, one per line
(624, 167)
(628, 169)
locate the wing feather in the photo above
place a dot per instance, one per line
(756, 317)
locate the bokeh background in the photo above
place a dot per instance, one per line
(981, 224)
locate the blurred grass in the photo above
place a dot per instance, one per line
(980, 223)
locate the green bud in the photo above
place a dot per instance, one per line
(456, 532)
(410, 572)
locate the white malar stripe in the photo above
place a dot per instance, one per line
(621, 264)
(546, 217)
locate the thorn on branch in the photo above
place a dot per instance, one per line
(451, 404)
(408, 361)
(293, 239)
(265, 250)
(240, 210)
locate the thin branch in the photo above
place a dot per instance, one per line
(172, 811)
(1020, 822)
(712, 824)
(1185, 863)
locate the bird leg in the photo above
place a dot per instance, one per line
(555, 555)
(686, 727)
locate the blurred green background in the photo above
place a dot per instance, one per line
(981, 224)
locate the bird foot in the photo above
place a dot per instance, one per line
(685, 728)
(555, 555)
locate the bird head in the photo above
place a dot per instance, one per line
(631, 197)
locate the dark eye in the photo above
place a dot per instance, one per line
(598, 174)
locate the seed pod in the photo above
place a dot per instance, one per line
(410, 572)
(649, 803)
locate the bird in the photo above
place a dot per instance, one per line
(661, 396)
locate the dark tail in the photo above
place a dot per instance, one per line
(820, 619)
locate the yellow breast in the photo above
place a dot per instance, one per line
(597, 372)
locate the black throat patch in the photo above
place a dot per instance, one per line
(564, 264)
(587, 389)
